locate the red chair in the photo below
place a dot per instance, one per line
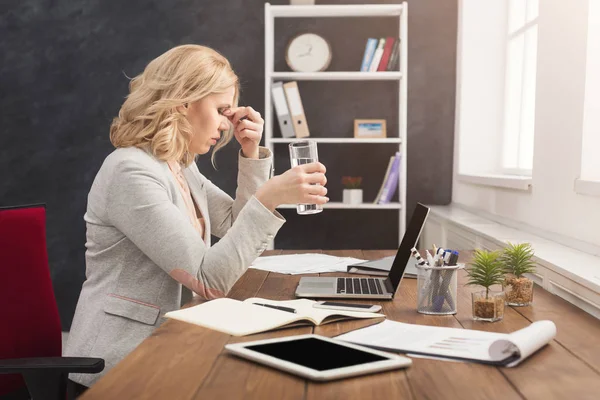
(30, 337)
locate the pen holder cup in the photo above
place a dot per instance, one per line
(436, 289)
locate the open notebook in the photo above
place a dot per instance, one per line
(453, 343)
(239, 318)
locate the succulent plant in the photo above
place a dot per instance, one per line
(517, 259)
(486, 269)
(351, 182)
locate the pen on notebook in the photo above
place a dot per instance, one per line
(280, 308)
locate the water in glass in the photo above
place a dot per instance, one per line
(305, 209)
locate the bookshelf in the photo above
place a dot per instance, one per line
(395, 139)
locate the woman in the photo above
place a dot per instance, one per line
(151, 213)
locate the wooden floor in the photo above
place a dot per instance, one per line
(183, 361)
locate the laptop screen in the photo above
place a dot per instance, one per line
(411, 235)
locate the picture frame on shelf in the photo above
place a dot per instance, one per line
(370, 128)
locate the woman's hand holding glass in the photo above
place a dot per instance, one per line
(248, 128)
(303, 184)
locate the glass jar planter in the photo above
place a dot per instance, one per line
(519, 291)
(488, 305)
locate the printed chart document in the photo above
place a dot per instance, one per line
(239, 318)
(309, 263)
(452, 343)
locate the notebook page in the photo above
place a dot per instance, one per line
(233, 317)
(304, 307)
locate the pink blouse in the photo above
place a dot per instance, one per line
(197, 221)
(194, 213)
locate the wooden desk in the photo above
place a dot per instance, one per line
(184, 361)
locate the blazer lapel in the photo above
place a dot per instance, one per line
(199, 195)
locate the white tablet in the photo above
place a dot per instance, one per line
(317, 357)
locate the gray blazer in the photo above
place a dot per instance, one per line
(142, 251)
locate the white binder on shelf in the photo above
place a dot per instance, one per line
(292, 94)
(282, 111)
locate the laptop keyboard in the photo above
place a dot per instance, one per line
(359, 286)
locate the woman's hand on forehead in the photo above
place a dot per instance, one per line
(237, 114)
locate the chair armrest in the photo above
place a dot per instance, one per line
(55, 364)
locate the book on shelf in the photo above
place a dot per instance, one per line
(377, 56)
(385, 176)
(387, 51)
(254, 315)
(381, 54)
(393, 62)
(390, 180)
(368, 55)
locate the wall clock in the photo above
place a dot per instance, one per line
(308, 52)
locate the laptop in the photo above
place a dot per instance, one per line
(369, 288)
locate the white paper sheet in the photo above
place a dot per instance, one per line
(453, 342)
(309, 263)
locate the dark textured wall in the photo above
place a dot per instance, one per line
(62, 80)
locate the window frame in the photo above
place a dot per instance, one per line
(521, 31)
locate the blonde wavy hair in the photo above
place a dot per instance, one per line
(149, 117)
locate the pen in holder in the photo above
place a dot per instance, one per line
(436, 289)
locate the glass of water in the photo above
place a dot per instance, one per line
(305, 152)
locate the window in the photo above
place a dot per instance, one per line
(519, 91)
(590, 162)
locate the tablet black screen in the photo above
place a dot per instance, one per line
(316, 354)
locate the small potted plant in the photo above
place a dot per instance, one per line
(487, 270)
(353, 194)
(517, 259)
